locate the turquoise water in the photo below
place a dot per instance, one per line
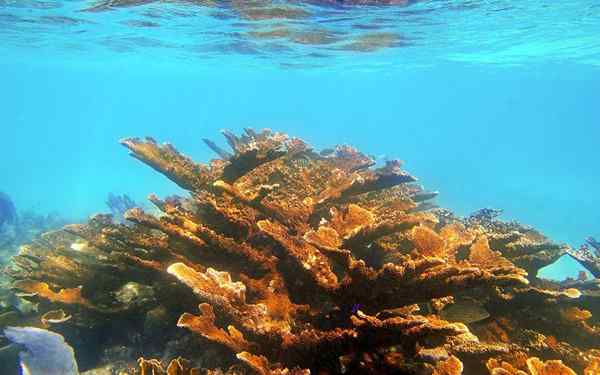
(492, 103)
(294, 34)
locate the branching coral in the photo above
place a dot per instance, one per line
(301, 262)
(119, 204)
(588, 255)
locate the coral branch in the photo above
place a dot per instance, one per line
(312, 262)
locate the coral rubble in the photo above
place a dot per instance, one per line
(291, 261)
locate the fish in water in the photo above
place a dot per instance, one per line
(464, 311)
(8, 214)
(45, 352)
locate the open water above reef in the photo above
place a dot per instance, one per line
(304, 34)
(493, 103)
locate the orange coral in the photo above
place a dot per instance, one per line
(575, 314)
(177, 366)
(497, 367)
(66, 296)
(451, 366)
(553, 367)
(535, 366)
(482, 255)
(302, 261)
(427, 242)
(593, 367)
(205, 325)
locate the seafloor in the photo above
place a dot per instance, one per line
(289, 260)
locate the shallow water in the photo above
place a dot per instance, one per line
(297, 34)
(491, 103)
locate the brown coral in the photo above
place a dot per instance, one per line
(303, 261)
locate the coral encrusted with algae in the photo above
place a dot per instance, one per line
(293, 261)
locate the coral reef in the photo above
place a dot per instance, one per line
(8, 214)
(284, 260)
(8, 218)
(31, 225)
(588, 255)
(119, 204)
(25, 227)
(20, 227)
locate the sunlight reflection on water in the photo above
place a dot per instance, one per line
(309, 33)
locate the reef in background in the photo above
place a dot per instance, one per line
(285, 260)
(118, 205)
(8, 213)
(588, 255)
(17, 228)
(8, 218)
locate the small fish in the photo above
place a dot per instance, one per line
(464, 311)
(45, 353)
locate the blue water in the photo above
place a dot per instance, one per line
(493, 103)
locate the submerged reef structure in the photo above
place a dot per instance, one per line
(17, 228)
(285, 260)
(8, 213)
(8, 219)
(119, 204)
(588, 255)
